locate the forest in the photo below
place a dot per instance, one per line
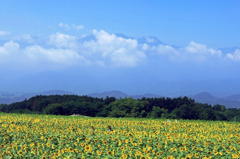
(173, 108)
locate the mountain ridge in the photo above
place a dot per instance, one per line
(12, 97)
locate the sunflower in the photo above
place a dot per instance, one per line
(149, 140)
(138, 152)
(169, 157)
(82, 144)
(71, 149)
(99, 152)
(124, 155)
(20, 153)
(196, 155)
(87, 148)
(234, 156)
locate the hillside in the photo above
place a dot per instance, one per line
(230, 101)
(235, 97)
(119, 94)
(8, 98)
(116, 94)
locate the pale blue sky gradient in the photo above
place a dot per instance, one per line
(212, 22)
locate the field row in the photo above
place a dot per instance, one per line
(35, 136)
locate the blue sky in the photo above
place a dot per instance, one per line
(213, 22)
(124, 45)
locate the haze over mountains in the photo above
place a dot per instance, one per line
(137, 66)
(159, 76)
(232, 101)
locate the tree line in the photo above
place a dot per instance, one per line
(177, 108)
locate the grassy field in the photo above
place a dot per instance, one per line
(47, 136)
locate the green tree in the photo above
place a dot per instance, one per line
(158, 112)
(126, 107)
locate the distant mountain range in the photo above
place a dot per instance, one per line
(232, 101)
(8, 98)
(119, 94)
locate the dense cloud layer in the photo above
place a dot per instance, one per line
(99, 49)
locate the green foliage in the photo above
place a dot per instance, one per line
(126, 107)
(158, 112)
(179, 108)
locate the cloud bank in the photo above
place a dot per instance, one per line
(101, 49)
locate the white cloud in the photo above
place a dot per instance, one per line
(64, 56)
(145, 47)
(25, 37)
(116, 50)
(196, 48)
(65, 26)
(3, 33)
(163, 49)
(38, 57)
(10, 55)
(63, 40)
(9, 47)
(100, 49)
(68, 27)
(194, 52)
(234, 56)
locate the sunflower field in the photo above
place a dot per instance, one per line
(49, 136)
